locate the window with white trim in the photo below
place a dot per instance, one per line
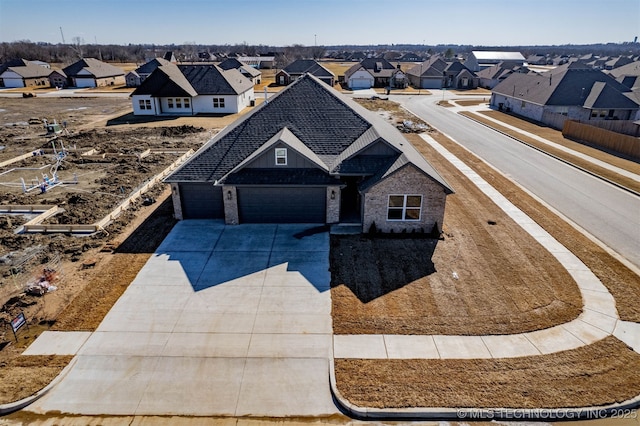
(404, 207)
(178, 103)
(170, 102)
(281, 156)
(145, 103)
(187, 103)
(218, 102)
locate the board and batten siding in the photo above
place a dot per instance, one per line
(268, 160)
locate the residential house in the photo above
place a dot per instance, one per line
(614, 63)
(410, 57)
(311, 155)
(191, 90)
(574, 91)
(537, 59)
(628, 75)
(381, 73)
(490, 77)
(435, 73)
(23, 73)
(298, 68)
(481, 59)
(58, 79)
(258, 62)
(140, 74)
(90, 72)
(249, 72)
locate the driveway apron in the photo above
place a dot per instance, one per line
(222, 320)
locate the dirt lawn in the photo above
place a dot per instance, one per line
(423, 297)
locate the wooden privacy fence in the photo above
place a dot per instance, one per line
(627, 145)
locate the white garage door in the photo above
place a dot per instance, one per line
(360, 83)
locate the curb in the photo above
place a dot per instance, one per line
(623, 410)
(19, 405)
(582, 169)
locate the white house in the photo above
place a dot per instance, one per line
(192, 90)
(359, 78)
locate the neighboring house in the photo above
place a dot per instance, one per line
(140, 74)
(311, 155)
(573, 90)
(429, 74)
(132, 79)
(58, 79)
(479, 59)
(410, 57)
(298, 68)
(490, 77)
(191, 90)
(258, 62)
(383, 72)
(90, 72)
(537, 59)
(23, 73)
(248, 71)
(435, 73)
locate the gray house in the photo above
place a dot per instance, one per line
(311, 155)
(574, 90)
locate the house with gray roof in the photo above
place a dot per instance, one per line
(436, 73)
(23, 73)
(311, 155)
(490, 77)
(90, 72)
(375, 72)
(575, 91)
(248, 71)
(191, 90)
(136, 77)
(299, 67)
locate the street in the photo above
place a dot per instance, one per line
(608, 213)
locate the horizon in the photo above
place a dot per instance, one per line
(492, 23)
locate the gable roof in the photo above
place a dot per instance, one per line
(192, 80)
(151, 65)
(604, 96)
(234, 63)
(569, 84)
(331, 127)
(301, 66)
(432, 67)
(630, 69)
(28, 70)
(94, 67)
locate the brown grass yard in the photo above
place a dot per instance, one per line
(602, 373)
(598, 374)
(556, 136)
(507, 283)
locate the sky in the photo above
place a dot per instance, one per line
(322, 22)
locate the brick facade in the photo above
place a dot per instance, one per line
(408, 180)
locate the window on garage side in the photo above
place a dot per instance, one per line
(404, 207)
(281, 156)
(218, 102)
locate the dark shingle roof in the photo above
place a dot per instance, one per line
(233, 63)
(333, 127)
(258, 176)
(302, 66)
(97, 68)
(566, 85)
(151, 65)
(432, 67)
(166, 81)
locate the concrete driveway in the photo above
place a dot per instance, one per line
(222, 320)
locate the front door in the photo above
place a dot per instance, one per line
(350, 200)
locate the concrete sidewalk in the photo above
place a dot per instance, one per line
(222, 321)
(477, 110)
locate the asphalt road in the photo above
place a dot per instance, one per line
(605, 211)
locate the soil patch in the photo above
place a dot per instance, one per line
(593, 375)
(486, 276)
(23, 376)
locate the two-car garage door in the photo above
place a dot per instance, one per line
(256, 204)
(281, 205)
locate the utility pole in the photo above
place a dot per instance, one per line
(62, 34)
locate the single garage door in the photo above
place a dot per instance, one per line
(360, 83)
(201, 201)
(281, 205)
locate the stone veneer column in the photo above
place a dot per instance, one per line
(177, 205)
(333, 204)
(230, 197)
